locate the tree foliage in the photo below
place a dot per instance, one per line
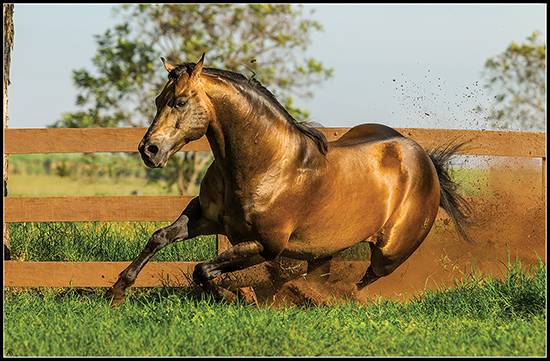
(262, 40)
(265, 41)
(517, 78)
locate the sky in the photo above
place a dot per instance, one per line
(397, 64)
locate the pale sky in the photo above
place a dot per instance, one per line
(400, 65)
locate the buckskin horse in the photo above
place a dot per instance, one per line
(276, 187)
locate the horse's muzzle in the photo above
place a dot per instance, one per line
(151, 154)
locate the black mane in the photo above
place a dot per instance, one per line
(317, 136)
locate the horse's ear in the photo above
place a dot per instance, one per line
(197, 70)
(169, 67)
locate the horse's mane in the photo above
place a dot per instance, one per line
(254, 85)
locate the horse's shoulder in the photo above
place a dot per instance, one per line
(366, 133)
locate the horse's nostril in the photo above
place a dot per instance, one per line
(152, 149)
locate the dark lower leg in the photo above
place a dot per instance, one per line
(379, 266)
(368, 278)
(189, 224)
(127, 277)
(158, 240)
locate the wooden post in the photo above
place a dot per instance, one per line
(544, 202)
(8, 45)
(544, 181)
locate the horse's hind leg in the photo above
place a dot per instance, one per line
(382, 263)
(395, 243)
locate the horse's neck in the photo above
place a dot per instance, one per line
(251, 138)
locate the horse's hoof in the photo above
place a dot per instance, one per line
(117, 301)
(116, 297)
(203, 273)
(199, 275)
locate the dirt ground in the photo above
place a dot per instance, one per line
(511, 227)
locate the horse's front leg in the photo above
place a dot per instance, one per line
(188, 225)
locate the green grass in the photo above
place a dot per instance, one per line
(99, 241)
(477, 317)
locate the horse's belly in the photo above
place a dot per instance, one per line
(327, 239)
(318, 247)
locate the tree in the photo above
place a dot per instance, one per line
(264, 41)
(517, 77)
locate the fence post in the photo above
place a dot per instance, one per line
(8, 45)
(544, 181)
(544, 202)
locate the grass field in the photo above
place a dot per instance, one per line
(41, 185)
(99, 241)
(478, 317)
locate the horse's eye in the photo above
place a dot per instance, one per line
(179, 103)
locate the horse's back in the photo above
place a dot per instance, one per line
(381, 149)
(365, 133)
(376, 151)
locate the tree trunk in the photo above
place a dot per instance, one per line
(8, 45)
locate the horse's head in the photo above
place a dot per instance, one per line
(183, 114)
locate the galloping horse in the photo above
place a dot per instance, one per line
(277, 187)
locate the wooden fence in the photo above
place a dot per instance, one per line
(168, 208)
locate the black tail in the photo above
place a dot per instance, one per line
(453, 203)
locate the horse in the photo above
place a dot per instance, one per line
(277, 187)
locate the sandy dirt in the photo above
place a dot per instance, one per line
(511, 227)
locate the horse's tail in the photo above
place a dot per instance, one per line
(453, 203)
